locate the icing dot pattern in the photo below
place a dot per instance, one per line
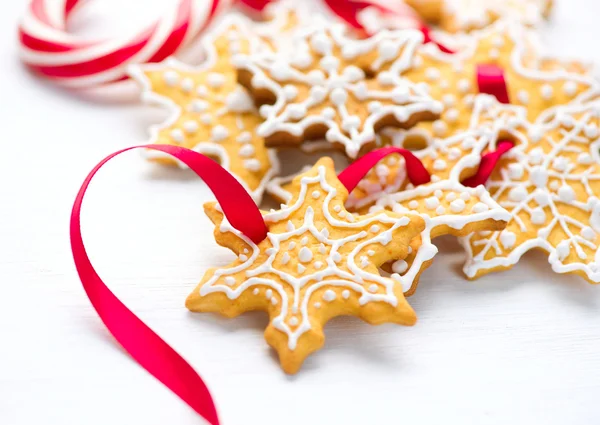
(307, 232)
(550, 184)
(346, 89)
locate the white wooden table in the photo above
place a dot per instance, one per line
(522, 347)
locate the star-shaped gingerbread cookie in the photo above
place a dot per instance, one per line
(550, 184)
(209, 111)
(317, 262)
(532, 80)
(332, 86)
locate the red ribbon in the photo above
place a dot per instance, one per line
(488, 164)
(146, 347)
(427, 39)
(490, 80)
(348, 10)
(353, 174)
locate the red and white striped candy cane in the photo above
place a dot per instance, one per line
(70, 60)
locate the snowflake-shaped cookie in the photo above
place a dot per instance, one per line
(532, 80)
(335, 87)
(317, 262)
(537, 82)
(467, 15)
(446, 205)
(550, 183)
(210, 112)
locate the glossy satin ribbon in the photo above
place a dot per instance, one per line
(490, 80)
(348, 10)
(146, 347)
(488, 164)
(353, 174)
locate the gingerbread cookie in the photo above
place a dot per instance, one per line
(210, 112)
(532, 82)
(468, 15)
(335, 87)
(537, 82)
(447, 206)
(318, 261)
(550, 184)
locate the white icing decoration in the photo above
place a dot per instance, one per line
(219, 133)
(329, 295)
(338, 85)
(305, 255)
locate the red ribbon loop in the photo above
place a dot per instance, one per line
(146, 347)
(427, 39)
(354, 173)
(490, 80)
(488, 164)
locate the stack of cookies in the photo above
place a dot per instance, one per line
(300, 81)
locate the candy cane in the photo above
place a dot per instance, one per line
(51, 51)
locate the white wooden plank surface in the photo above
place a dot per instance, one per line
(521, 347)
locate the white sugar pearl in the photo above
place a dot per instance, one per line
(452, 115)
(539, 177)
(329, 295)
(547, 92)
(252, 165)
(432, 74)
(464, 85)
(538, 216)
(440, 128)
(584, 158)
(400, 95)
(523, 97)
(590, 131)
(439, 165)
(201, 91)
(353, 73)
(247, 151)
(171, 78)
(190, 126)
(566, 194)
(361, 91)
(508, 239)
(457, 206)
(198, 106)
(318, 94)
(374, 106)
(290, 92)
(330, 63)
(177, 136)
(328, 113)
(449, 100)
(480, 207)
(517, 194)
(302, 60)
(187, 85)
(219, 133)
(399, 266)
(570, 88)
(588, 233)
(338, 96)
(316, 77)
(215, 80)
